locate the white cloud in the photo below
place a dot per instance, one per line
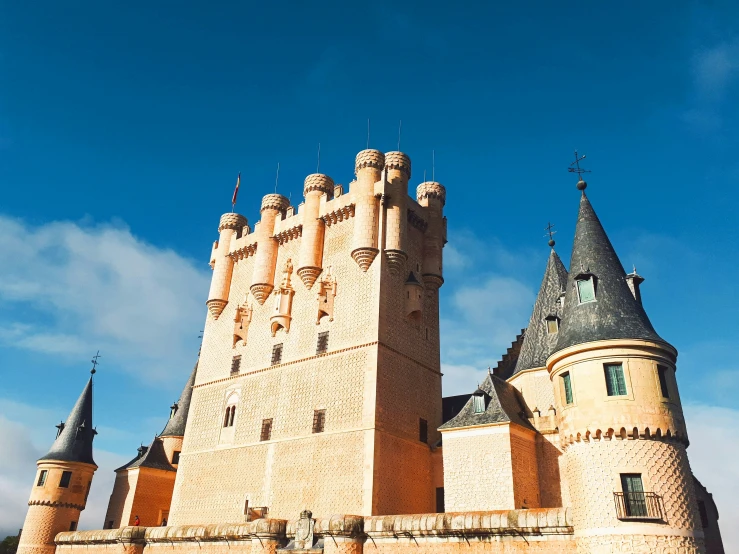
(74, 288)
(714, 68)
(713, 453)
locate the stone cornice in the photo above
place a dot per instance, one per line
(51, 504)
(338, 215)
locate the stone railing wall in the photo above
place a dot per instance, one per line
(540, 531)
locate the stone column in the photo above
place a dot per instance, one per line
(368, 168)
(263, 278)
(398, 167)
(310, 263)
(220, 284)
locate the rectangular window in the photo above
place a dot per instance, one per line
(175, 457)
(266, 433)
(72, 525)
(635, 500)
(662, 373)
(615, 383)
(235, 365)
(439, 500)
(277, 354)
(552, 325)
(478, 403)
(567, 385)
(42, 478)
(585, 290)
(66, 478)
(704, 513)
(319, 421)
(322, 345)
(423, 430)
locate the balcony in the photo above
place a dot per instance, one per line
(638, 506)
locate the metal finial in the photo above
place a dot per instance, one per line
(581, 184)
(549, 229)
(318, 165)
(95, 362)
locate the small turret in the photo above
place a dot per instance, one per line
(63, 480)
(263, 279)
(368, 167)
(310, 264)
(174, 430)
(432, 196)
(398, 172)
(230, 227)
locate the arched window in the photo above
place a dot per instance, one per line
(233, 414)
(228, 417)
(230, 414)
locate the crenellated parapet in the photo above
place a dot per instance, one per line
(369, 159)
(398, 161)
(232, 221)
(275, 202)
(318, 182)
(431, 189)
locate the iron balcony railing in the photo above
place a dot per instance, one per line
(638, 505)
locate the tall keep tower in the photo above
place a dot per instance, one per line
(319, 383)
(63, 481)
(625, 469)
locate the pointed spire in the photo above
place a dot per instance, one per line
(74, 438)
(615, 313)
(539, 340)
(178, 416)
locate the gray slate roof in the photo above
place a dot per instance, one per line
(505, 405)
(538, 344)
(153, 456)
(615, 314)
(505, 366)
(176, 425)
(74, 442)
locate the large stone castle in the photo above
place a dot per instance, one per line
(318, 392)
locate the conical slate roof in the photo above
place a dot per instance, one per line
(153, 456)
(176, 425)
(615, 313)
(504, 404)
(74, 441)
(538, 343)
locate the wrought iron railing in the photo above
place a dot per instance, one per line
(638, 505)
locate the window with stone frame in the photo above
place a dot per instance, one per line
(235, 365)
(662, 374)
(478, 403)
(266, 433)
(615, 381)
(66, 478)
(277, 354)
(423, 430)
(322, 344)
(552, 322)
(319, 421)
(42, 478)
(567, 387)
(585, 289)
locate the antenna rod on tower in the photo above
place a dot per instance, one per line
(277, 178)
(368, 132)
(400, 126)
(318, 165)
(433, 165)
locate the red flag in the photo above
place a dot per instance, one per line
(236, 190)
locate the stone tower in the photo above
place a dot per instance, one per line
(63, 480)
(319, 383)
(143, 487)
(625, 469)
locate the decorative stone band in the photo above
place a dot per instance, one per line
(51, 504)
(338, 215)
(102, 536)
(232, 221)
(289, 234)
(431, 189)
(399, 161)
(244, 252)
(319, 182)
(274, 202)
(624, 434)
(369, 158)
(540, 521)
(417, 221)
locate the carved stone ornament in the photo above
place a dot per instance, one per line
(282, 314)
(304, 530)
(326, 295)
(241, 323)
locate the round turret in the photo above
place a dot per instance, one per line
(318, 182)
(232, 221)
(275, 202)
(369, 158)
(431, 189)
(398, 161)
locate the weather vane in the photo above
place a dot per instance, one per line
(550, 233)
(577, 169)
(95, 362)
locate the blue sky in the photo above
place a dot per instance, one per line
(124, 124)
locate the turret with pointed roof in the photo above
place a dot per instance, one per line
(178, 417)
(74, 439)
(539, 342)
(615, 313)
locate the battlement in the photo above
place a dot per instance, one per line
(431, 189)
(369, 158)
(232, 221)
(275, 202)
(398, 161)
(319, 182)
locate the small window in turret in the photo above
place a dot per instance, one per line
(72, 525)
(615, 382)
(662, 374)
(66, 478)
(586, 290)
(567, 385)
(552, 324)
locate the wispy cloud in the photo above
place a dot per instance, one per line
(74, 288)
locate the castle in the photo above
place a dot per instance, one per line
(318, 392)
